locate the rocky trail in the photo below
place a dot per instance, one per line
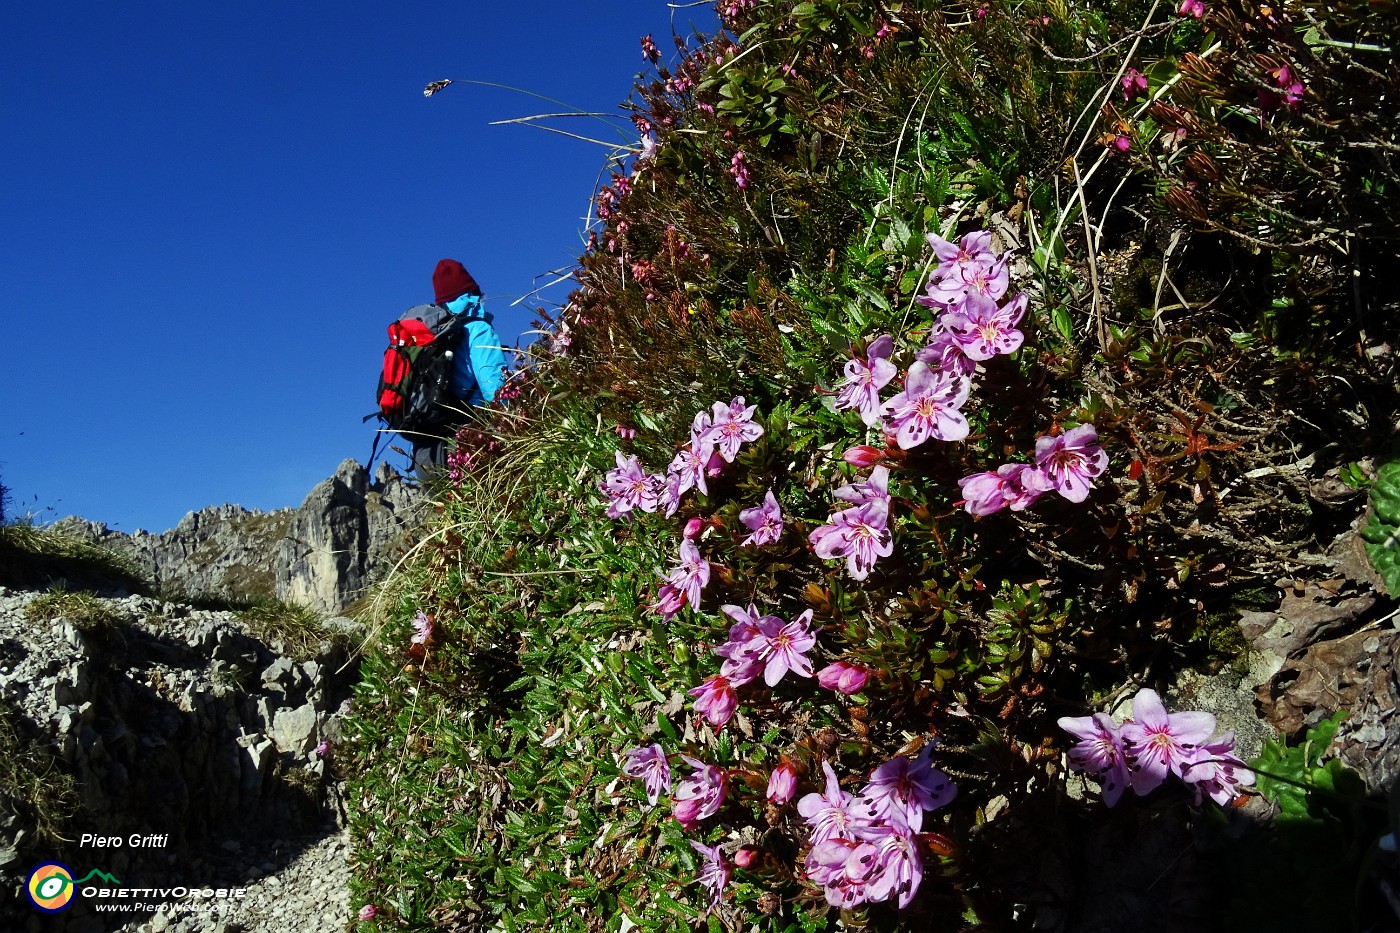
(186, 756)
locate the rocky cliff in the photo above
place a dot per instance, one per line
(321, 554)
(209, 733)
(192, 731)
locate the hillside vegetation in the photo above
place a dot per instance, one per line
(937, 372)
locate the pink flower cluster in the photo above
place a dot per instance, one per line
(1287, 90)
(965, 288)
(971, 328)
(697, 797)
(715, 438)
(757, 644)
(864, 849)
(728, 9)
(740, 170)
(1144, 750)
(859, 533)
(1066, 464)
(1134, 83)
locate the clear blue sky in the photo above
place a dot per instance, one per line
(209, 213)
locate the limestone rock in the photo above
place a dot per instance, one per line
(322, 554)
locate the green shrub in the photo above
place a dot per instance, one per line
(778, 228)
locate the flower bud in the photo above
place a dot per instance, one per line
(747, 856)
(843, 677)
(863, 455)
(693, 528)
(782, 783)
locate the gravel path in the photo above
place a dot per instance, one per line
(303, 888)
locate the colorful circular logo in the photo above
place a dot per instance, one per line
(50, 887)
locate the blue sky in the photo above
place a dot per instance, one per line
(211, 211)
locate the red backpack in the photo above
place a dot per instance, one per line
(415, 383)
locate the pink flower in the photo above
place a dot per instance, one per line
(928, 407)
(1122, 142)
(688, 467)
(732, 426)
(740, 652)
(971, 251)
(648, 764)
(860, 534)
(714, 873)
(684, 583)
(1290, 92)
(668, 500)
(993, 491)
(865, 378)
(1068, 463)
(700, 795)
(691, 462)
(740, 170)
(1159, 742)
(649, 50)
(1134, 83)
(629, 487)
(1215, 771)
(783, 647)
(715, 699)
(828, 812)
(982, 330)
(1192, 8)
(1099, 753)
(943, 353)
(693, 528)
(422, 628)
(843, 677)
(844, 868)
(949, 291)
(902, 789)
(765, 521)
(877, 487)
(898, 868)
(782, 783)
(368, 912)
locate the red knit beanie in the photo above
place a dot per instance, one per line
(452, 280)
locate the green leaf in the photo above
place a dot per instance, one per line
(1382, 534)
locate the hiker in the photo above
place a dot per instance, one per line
(479, 367)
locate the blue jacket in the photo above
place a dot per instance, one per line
(481, 359)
